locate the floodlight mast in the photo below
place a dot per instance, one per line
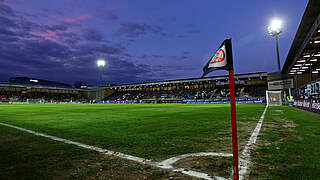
(101, 63)
(275, 29)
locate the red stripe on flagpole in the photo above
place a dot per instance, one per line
(234, 127)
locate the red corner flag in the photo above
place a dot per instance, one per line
(223, 59)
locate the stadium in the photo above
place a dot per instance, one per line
(169, 129)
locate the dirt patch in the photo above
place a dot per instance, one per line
(109, 167)
(278, 122)
(246, 118)
(276, 130)
(224, 143)
(212, 165)
(278, 111)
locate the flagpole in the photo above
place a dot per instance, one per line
(234, 126)
(223, 60)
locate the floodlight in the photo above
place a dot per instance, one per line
(101, 63)
(275, 27)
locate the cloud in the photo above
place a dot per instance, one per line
(110, 15)
(92, 35)
(7, 23)
(61, 52)
(98, 48)
(57, 27)
(132, 29)
(6, 10)
(157, 56)
(181, 36)
(194, 31)
(182, 57)
(76, 18)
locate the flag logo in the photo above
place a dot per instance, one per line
(219, 56)
(222, 59)
(219, 59)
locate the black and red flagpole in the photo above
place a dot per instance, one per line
(233, 111)
(234, 127)
(216, 63)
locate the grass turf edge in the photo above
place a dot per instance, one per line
(288, 146)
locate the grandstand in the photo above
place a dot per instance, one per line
(250, 88)
(303, 61)
(31, 90)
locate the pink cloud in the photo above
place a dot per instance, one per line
(77, 18)
(49, 35)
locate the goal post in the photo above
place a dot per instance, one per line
(274, 98)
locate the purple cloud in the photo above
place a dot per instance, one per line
(92, 35)
(132, 29)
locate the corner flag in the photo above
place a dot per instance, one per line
(222, 59)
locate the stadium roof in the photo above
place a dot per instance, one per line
(304, 54)
(35, 81)
(13, 85)
(247, 76)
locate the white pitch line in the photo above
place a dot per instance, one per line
(167, 164)
(245, 155)
(121, 155)
(177, 158)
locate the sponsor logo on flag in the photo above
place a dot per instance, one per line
(222, 59)
(219, 59)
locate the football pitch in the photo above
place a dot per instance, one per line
(155, 132)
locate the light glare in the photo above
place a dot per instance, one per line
(101, 63)
(275, 27)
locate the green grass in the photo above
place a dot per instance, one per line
(289, 145)
(25, 156)
(150, 131)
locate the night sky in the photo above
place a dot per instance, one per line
(141, 40)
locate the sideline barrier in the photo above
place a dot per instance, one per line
(189, 101)
(312, 105)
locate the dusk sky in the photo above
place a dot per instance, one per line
(141, 40)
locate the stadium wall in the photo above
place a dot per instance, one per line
(312, 105)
